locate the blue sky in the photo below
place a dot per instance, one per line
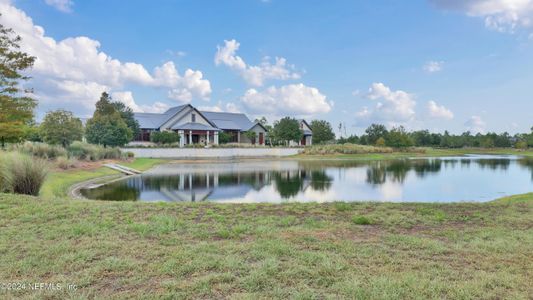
(436, 64)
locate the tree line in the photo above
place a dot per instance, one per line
(113, 124)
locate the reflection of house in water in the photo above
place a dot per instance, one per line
(199, 187)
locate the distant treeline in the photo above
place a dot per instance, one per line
(398, 137)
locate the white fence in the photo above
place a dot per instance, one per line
(212, 152)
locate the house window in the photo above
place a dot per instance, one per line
(193, 118)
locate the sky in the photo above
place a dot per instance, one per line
(452, 65)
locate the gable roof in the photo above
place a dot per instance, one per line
(229, 121)
(155, 120)
(306, 132)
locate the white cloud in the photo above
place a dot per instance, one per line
(433, 66)
(476, 124)
(126, 97)
(393, 107)
(61, 5)
(254, 75)
(228, 107)
(439, 111)
(75, 71)
(293, 99)
(500, 15)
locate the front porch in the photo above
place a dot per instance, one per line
(202, 137)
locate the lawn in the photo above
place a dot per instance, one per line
(251, 251)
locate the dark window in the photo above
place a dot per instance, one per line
(193, 118)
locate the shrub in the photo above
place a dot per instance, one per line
(91, 152)
(66, 163)
(23, 174)
(361, 220)
(41, 150)
(521, 145)
(164, 137)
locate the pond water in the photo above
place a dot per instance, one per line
(445, 179)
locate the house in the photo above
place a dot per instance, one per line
(198, 127)
(236, 124)
(307, 137)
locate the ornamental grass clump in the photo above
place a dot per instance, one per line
(84, 151)
(22, 174)
(42, 150)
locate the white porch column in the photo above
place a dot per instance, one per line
(208, 137)
(190, 137)
(238, 137)
(216, 137)
(207, 179)
(182, 138)
(215, 180)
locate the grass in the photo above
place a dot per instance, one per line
(245, 251)
(422, 152)
(59, 182)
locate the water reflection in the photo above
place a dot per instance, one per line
(456, 178)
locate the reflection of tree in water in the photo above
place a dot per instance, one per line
(289, 183)
(115, 191)
(527, 162)
(320, 181)
(494, 164)
(396, 170)
(424, 167)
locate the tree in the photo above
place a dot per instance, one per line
(251, 135)
(16, 108)
(61, 127)
(374, 132)
(322, 131)
(127, 115)
(288, 129)
(398, 138)
(224, 137)
(107, 127)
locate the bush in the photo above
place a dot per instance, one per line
(84, 151)
(41, 150)
(361, 220)
(23, 174)
(521, 145)
(164, 137)
(66, 163)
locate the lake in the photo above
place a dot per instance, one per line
(474, 178)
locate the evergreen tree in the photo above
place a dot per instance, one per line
(107, 127)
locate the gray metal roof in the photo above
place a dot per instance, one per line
(153, 120)
(229, 121)
(194, 126)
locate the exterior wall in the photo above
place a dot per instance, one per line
(308, 140)
(212, 152)
(257, 129)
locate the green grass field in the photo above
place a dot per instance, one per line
(114, 250)
(245, 251)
